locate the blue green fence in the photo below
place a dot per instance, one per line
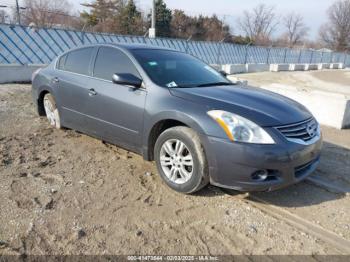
(26, 45)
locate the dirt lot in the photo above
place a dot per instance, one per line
(62, 192)
(336, 81)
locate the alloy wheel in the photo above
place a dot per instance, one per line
(176, 161)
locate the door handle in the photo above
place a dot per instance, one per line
(92, 92)
(55, 80)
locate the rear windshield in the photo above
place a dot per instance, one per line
(175, 69)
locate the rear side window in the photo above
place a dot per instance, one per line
(110, 61)
(61, 62)
(78, 61)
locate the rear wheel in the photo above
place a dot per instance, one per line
(51, 111)
(181, 160)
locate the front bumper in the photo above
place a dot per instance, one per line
(231, 165)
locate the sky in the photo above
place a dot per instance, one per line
(314, 11)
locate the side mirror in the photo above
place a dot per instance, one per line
(127, 79)
(223, 73)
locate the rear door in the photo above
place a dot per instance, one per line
(72, 76)
(117, 110)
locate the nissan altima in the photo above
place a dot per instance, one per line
(176, 110)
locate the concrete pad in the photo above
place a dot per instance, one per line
(297, 67)
(279, 67)
(17, 73)
(253, 68)
(331, 109)
(234, 68)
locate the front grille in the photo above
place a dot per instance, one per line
(304, 131)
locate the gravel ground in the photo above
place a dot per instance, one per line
(330, 212)
(62, 192)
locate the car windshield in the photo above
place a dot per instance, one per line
(175, 69)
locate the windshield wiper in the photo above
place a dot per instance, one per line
(216, 84)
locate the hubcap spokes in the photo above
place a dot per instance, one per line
(50, 114)
(176, 161)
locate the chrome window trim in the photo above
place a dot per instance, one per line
(96, 78)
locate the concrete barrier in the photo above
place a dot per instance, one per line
(252, 68)
(279, 67)
(329, 109)
(234, 68)
(17, 73)
(326, 66)
(217, 67)
(297, 67)
(341, 66)
(311, 67)
(336, 66)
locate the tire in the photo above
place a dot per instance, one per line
(173, 160)
(51, 111)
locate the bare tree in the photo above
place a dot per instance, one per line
(259, 24)
(296, 30)
(336, 33)
(102, 14)
(47, 13)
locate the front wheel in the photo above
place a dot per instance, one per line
(51, 111)
(181, 160)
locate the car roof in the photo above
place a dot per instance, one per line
(126, 47)
(131, 46)
(140, 46)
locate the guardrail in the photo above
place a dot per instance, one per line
(27, 45)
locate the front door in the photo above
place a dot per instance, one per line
(117, 110)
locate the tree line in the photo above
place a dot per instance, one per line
(257, 26)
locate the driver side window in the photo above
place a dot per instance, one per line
(109, 61)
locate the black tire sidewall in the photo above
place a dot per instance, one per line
(198, 168)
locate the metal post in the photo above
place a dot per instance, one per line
(345, 56)
(299, 59)
(187, 46)
(219, 54)
(312, 57)
(246, 53)
(154, 14)
(268, 56)
(152, 30)
(18, 13)
(285, 56)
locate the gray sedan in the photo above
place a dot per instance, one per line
(172, 108)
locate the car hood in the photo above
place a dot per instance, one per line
(263, 107)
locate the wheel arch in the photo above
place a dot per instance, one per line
(40, 101)
(160, 124)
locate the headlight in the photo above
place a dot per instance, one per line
(240, 129)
